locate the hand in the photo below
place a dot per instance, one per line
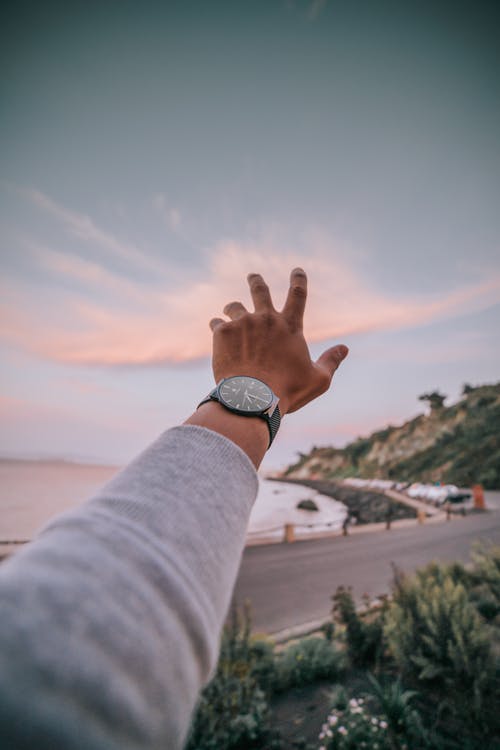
(270, 345)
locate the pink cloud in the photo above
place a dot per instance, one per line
(140, 323)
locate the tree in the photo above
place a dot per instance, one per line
(435, 399)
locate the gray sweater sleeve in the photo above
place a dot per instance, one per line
(110, 619)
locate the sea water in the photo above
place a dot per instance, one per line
(32, 492)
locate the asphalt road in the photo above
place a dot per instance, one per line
(292, 584)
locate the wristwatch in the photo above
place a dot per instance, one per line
(248, 397)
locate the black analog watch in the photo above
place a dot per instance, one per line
(248, 397)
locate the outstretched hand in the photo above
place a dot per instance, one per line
(270, 345)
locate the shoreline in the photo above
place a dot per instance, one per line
(366, 506)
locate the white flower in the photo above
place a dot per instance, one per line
(353, 702)
(383, 725)
(333, 720)
(329, 733)
(361, 701)
(342, 730)
(322, 736)
(322, 747)
(374, 721)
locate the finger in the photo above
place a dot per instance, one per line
(215, 323)
(234, 310)
(331, 359)
(260, 293)
(295, 303)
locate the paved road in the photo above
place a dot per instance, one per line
(292, 584)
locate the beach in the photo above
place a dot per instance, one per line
(33, 492)
(276, 506)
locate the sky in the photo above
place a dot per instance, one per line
(153, 154)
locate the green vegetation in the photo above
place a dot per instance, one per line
(434, 646)
(458, 445)
(436, 634)
(363, 634)
(309, 660)
(435, 400)
(383, 720)
(233, 711)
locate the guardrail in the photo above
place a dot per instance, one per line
(289, 531)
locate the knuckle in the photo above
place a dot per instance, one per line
(245, 320)
(298, 291)
(231, 306)
(223, 329)
(268, 319)
(260, 286)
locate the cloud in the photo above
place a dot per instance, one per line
(85, 229)
(140, 323)
(86, 272)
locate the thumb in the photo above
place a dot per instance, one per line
(331, 359)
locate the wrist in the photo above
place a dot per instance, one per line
(250, 434)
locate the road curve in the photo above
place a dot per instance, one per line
(291, 584)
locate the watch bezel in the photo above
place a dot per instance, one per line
(245, 412)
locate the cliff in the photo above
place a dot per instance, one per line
(459, 444)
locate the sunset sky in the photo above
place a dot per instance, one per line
(153, 154)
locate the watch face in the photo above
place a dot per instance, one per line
(246, 395)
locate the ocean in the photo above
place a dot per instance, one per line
(32, 492)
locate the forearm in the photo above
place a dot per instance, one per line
(111, 618)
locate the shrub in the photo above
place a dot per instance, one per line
(263, 666)
(307, 661)
(395, 704)
(232, 712)
(364, 635)
(486, 570)
(328, 630)
(437, 637)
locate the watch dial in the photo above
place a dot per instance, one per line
(247, 395)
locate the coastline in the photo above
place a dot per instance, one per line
(365, 505)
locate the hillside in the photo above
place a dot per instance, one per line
(459, 444)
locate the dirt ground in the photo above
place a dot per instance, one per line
(300, 713)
